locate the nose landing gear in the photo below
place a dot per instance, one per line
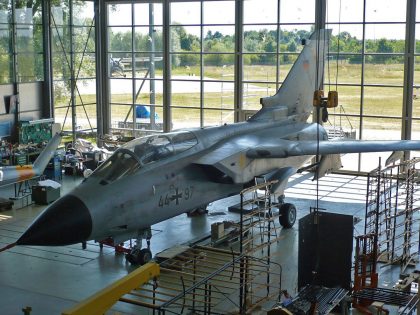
(287, 215)
(139, 255)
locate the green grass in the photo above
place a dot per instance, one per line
(378, 101)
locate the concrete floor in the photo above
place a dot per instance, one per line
(52, 279)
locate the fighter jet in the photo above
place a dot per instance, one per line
(18, 173)
(153, 178)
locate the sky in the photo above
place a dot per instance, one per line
(291, 11)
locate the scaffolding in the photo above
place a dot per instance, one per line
(205, 280)
(258, 218)
(392, 200)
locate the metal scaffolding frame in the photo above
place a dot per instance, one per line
(393, 196)
(206, 280)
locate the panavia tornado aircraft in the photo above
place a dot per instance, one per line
(154, 178)
(18, 173)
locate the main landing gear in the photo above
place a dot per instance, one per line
(287, 213)
(139, 255)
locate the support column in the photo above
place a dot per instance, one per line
(48, 104)
(102, 84)
(238, 90)
(166, 67)
(320, 13)
(410, 44)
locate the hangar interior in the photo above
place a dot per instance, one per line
(105, 72)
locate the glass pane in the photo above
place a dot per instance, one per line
(416, 91)
(260, 38)
(260, 67)
(143, 65)
(350, 127)
(219, 12)
(84, 66)
(59, 16)
(252, 92)
(254, 12)
(185, 38)
(186, 66)
(384, 70)
(218, 95)
(386, 32)
(119, 39)
(25, 40)
(84, 39)
(416, 130)
(344, 11)
(219, 67)
(62, 116)
(83, 13)
(149, 117)
(121, 116)
(119, 14)
(348, 100)
(185, 13)
(350, 39)
(218, 117)
(121, 91)
(385, 11)
(86, 117)
(382, 101)
(120, 65)
(417, 49)
(297, 11)
(26, 70)
(185, 118)
(219, 39)
(23, 16)
(185, 93)
(379, 129)
(148, 39)
(348, 69)
(5, 66)
(61, 92)
(149, 92)
(143, 12)
(87, 89)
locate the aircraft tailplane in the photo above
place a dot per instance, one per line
(295, 96)
(45, 156)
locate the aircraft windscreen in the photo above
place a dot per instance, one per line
(120, 164)
(157, 147)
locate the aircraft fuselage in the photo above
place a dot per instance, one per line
(170, 187)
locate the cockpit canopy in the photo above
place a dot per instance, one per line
(142, 151)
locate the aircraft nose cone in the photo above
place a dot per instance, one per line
(67, 221)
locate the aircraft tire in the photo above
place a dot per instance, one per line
(145, 256)
(139, 257)
(287, 215)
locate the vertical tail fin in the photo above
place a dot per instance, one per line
(42, 161)
(294, 98)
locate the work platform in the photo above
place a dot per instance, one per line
(53, 279)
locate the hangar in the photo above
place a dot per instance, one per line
(214, 94)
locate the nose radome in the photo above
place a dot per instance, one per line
(67, 221)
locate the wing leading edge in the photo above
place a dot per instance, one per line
(286, 148)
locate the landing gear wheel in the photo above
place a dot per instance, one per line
(145, 256)
(139, 256)
(198, 211)
(287, 215)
